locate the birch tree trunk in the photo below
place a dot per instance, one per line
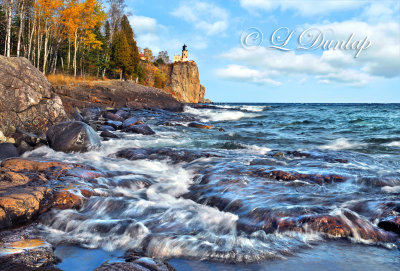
(75, 51)
(7, 50)
(46, 40)
(31, 37)
(21, 27)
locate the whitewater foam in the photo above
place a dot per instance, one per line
(218, 115)
(341, 144)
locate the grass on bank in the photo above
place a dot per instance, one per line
(67, 80)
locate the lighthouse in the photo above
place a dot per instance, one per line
(184, 57)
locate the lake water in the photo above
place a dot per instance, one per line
(280, 186)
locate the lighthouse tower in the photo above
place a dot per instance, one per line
(184, 57)
(184, 53)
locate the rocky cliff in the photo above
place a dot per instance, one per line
(180, 79)
(185, 82)
(27, 100)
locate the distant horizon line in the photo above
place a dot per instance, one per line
(305, 103)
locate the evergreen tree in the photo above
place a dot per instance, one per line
(134, 51)
(120, 54)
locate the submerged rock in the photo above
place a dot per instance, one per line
(72, 136)
(200, 125)
(139, 129)
(176, 156)
(8, 150)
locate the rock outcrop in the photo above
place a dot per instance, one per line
(180, 79)
(116, 94)
(27, 99)
(184, 82)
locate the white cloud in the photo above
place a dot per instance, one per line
(303, 7)
(381, 60)
(242, 73)
(143, 24)
(204, 16)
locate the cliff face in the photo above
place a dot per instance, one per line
(180, 79)
(185, 82)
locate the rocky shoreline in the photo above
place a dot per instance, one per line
(32, 115)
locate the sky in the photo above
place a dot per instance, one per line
(231, 41)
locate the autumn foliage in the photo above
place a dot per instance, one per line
(72, 37)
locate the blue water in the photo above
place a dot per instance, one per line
(225, 211)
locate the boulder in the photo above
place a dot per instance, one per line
(27, 99)
(72, 136)
(115, 124)
(139, 129)
(122, 113)
(114, 117)
(108, 134)
(8, 150)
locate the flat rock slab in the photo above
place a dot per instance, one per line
(29, 188)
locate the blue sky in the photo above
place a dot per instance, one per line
(231, 73)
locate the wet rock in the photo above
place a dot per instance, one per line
(72, 136)
(144, 263)
(29, 188)
(113, 117)
(176, 156)
(27, 254)
(139, 129)
(319, 223)
(91, 113)
(115, 124)
(106, 128)
(21, 204)
(131, 121)
(122, 113)
(65, 199)
(8, 150)
(27, 99)
(76, 115)
(292, 176)
(391, 223)
(108, 134)
(25, 141)
(139, 265)
(24, 147)
(200, 125)
(221, 129)
(19, 164)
